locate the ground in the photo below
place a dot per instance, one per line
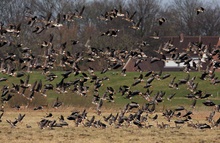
(83, 134)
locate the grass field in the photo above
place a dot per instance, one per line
(74, 102)
(115, 81)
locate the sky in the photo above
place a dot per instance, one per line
(209, 1)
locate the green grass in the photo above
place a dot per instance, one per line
(116, 80)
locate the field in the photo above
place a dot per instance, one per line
(150, 130)
(115, 81)
(83, 134)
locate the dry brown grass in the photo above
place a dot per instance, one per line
(111, 134)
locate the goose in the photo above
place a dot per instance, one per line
(209, 103)
(28, 126)
(33, 86)
(6, 99)
(25, 83)
(57, 23)
(112, 13)
(14, 29)
(48, 115)
(46, 20)
(74, 42)
(48, 86)
(31, 96)
(187, 114)
(13, 124)
(148, 73)
(206, 95)
(107, 118)
(180, 108)
(155, 35)
(165, 76)
(66, 74)
(111, 32)
(184, 80)
(39, 86)
(200, 10)
(172, 83)
(89, 122)
(136, 26)
(193, 103)
(31, 20)
(147, 94)
(133, 105)
(150, 80)
(123, 89)
(79, 14)
(43, 123)
(131, 94)
(20, 117)
(62, 121)
(57, 103)
(5, 91)
(15, 88)
(168, 114)
(210, 117)
(74, 115)
(217, 108)
(138, 123)
(68, 17)
(38, 29)
(161, 20)
(96, 99)
(217, 122)
(177, 122)
(171, 96)
(20, 74)
(104, 17)
(99, 124)
(154, 59)
(51, 76)
(155, 117)
(98, 108)
(120, 12)
(3, 43)
(1, 116)
(129, 17)
(136, 82)
(38, 108)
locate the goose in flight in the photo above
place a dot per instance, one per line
(136, 26)
(1, 116)
(129, 17)
(162, 20)
(79, 14)
(200, 10)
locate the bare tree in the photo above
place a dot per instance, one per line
(209, 21)
(148, 10)
(183, 15)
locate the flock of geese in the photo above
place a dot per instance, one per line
(132, 114)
